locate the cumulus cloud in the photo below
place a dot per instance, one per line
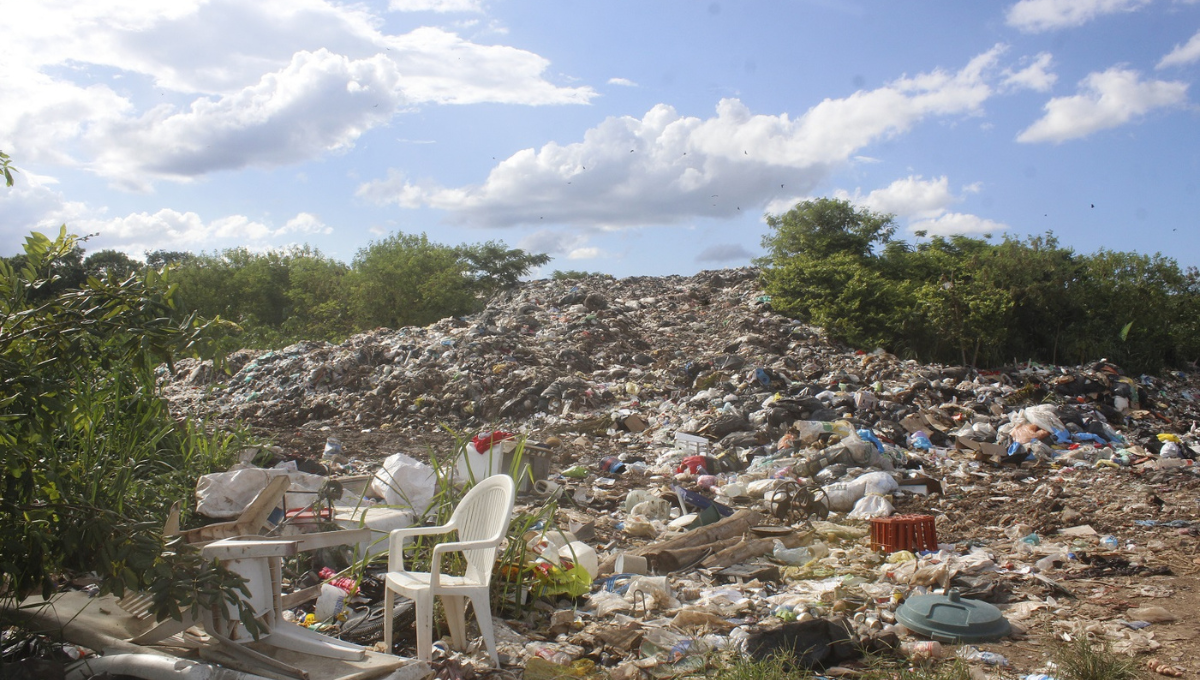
(1184, 54)
(234, 84)
(724, 253)
(1035, 16)
(589, 253)
(1035, 76)
(1106, 100)
(320, 102)
(305, 223)
(34, 204)
(665, 167)
(624, 82)
(926, 203)
(957, 223)
(912, 196)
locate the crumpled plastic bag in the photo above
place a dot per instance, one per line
(843, 496)
(656, 589)
(406, 482)
(606, 602)
(1043, 415)
(224, 495)
(872, 505)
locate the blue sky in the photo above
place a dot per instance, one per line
(633, 138)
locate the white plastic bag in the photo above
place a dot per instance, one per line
(224, 495)
(843, 495)
(878, 483)
(406, 482)
(872, 505)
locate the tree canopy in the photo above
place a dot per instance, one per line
(964, 299)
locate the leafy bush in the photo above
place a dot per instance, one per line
(963, 299)
(92, 456)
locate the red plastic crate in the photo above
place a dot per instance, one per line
(903, 532)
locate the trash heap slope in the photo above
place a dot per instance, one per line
(701, 353)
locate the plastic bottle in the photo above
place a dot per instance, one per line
(1110, 542)
(330, 602)
(976, 654)
(919, 650)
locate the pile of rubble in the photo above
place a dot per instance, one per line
(735, 475)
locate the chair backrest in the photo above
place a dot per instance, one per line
(483, 515)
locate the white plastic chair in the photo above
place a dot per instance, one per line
(481, 521)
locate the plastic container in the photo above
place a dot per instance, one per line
(330, 602)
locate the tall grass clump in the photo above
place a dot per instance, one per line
(1084, 659)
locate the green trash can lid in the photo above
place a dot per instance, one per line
(950, 618)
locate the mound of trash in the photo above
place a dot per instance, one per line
(722, 478)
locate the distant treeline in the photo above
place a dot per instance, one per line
(966, 300)
(279, 297)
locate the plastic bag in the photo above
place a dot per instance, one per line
(878, 483)
(224, 495)
(842, 497)
(406, 482)
(872, 505)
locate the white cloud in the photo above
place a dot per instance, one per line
(624, 82)
(958, 223)
(724, 253)
(1183, 54)
(34, 204)
(1106, 100)
(1036, 76)
(304, 223)
(435, 5)
(909, 197)
(553, 242)
(585, 254)
(1034, 16)
(321, 102)
(140, 91)
(666, 168)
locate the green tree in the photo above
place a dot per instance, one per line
(495, 266)
(407, 280)
(822, 267)
(826, 226)
(92, 456)
(110, 263)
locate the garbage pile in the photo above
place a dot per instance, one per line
(727, 479)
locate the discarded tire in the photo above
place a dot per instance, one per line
(366, 623)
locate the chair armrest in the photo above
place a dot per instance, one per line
(246, 547)
(440, 549)
(329, 539)
(396, 541)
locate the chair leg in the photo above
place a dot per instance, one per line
(483, 614)
(389, 605)
(456, 619)
(424, 604)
